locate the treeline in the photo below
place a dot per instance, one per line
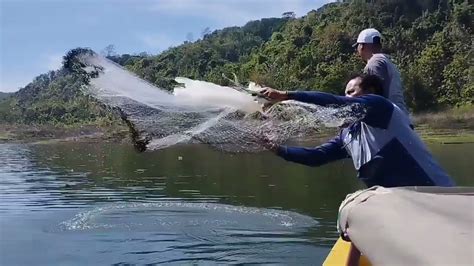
(4, 95)
(55, 98)
(59, 98)
(430, 40)
(222, 51)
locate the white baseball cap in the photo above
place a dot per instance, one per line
(367, 36)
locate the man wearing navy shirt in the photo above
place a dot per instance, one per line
(384, 148)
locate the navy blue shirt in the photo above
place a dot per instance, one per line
(385, 150)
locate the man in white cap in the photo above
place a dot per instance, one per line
(369, 48)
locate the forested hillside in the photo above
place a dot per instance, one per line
(4, 95)
(430, 40)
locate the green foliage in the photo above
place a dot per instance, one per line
(221, 51)
(125, 59)
(442, 69)
(8, 112)
(54, 98)
(4, 95)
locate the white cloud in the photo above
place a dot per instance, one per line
(235, 12)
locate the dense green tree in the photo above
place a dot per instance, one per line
(4, 95)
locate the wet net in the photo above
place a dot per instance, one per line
(225, 118)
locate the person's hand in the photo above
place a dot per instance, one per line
(273, 94)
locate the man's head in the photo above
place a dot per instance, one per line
(359, 85)
(368, 43)
(353, 88)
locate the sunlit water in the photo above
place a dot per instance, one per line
(100, 204)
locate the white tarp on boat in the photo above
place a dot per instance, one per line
(411, 226)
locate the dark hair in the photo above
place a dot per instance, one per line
(377, 42)
(371, 83)
(355, 75)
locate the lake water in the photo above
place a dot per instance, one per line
(100, 204)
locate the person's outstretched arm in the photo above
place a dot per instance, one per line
(330, 151)
(314, 97)
(376, 109)
(323, 99)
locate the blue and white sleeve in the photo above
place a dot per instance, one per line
(323, 99)
(330, 151)
(378, 110)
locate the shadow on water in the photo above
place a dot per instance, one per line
(185, 204)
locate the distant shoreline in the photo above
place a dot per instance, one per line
(452, 126)
(18, 133)
(120, 134)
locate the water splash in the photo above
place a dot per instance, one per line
(169, 216)
(183, 232)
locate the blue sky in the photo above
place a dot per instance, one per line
(35, 34)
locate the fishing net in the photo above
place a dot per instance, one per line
(201, 112)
